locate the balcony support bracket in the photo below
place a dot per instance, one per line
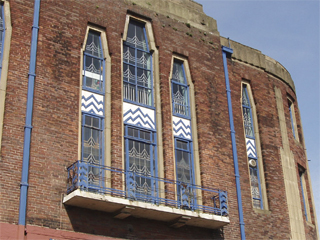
(124, 212)
(179, 222)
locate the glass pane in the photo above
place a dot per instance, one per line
(145, 135)
(129, 73)
(144, 96)
(93, 46)
(183, 166)
(96, 123)
(180, 99)
(245, 99)
(135, 35)
(143, 59)
(129, 55)
(178, 73)
(1, 19)
(129, 92)
(91, 145)
(247, 121)
(93, 73)
(87, 120)
(144, 78)
(255, 191)
(93, 65)
(139, 163)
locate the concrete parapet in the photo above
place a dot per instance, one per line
(187, 11)
(255, 58)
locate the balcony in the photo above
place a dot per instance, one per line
(125, 193)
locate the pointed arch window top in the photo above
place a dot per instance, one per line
(245, 99)
(136, 36)
(178, 73)
(93, 45)
(247, 114)
(180, 91)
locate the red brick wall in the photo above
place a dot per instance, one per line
(54, 142)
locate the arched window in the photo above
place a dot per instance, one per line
(137, 66)
(180, 91)
(183, 136)
(93, 109)
(139, 115)
(293, 119)
(258, 191)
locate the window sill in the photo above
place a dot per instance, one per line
(310, 224)
(260, 211)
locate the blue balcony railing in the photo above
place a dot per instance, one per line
(136, 187)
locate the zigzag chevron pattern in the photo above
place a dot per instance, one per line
(181, 127)
(92, 103)
(251, 148)
(139, 116)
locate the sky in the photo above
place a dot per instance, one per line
(287, 31)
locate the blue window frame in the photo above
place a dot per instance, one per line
(93, 64)
(2, 34)
(180, 91)
(252, 158)
(184, 161)
(183, 145)
(291, 111)
(137, 66)
(141, 167)
(301, 176)
(92, 133)
(92, 146)
(185, 173)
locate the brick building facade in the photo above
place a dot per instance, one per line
(136, 119)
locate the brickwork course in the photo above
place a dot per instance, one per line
(180, 28)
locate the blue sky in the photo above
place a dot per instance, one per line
(287, 31)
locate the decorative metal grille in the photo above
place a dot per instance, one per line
(213, 201)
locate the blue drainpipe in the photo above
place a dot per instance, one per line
(28, 127)
(225, 51)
